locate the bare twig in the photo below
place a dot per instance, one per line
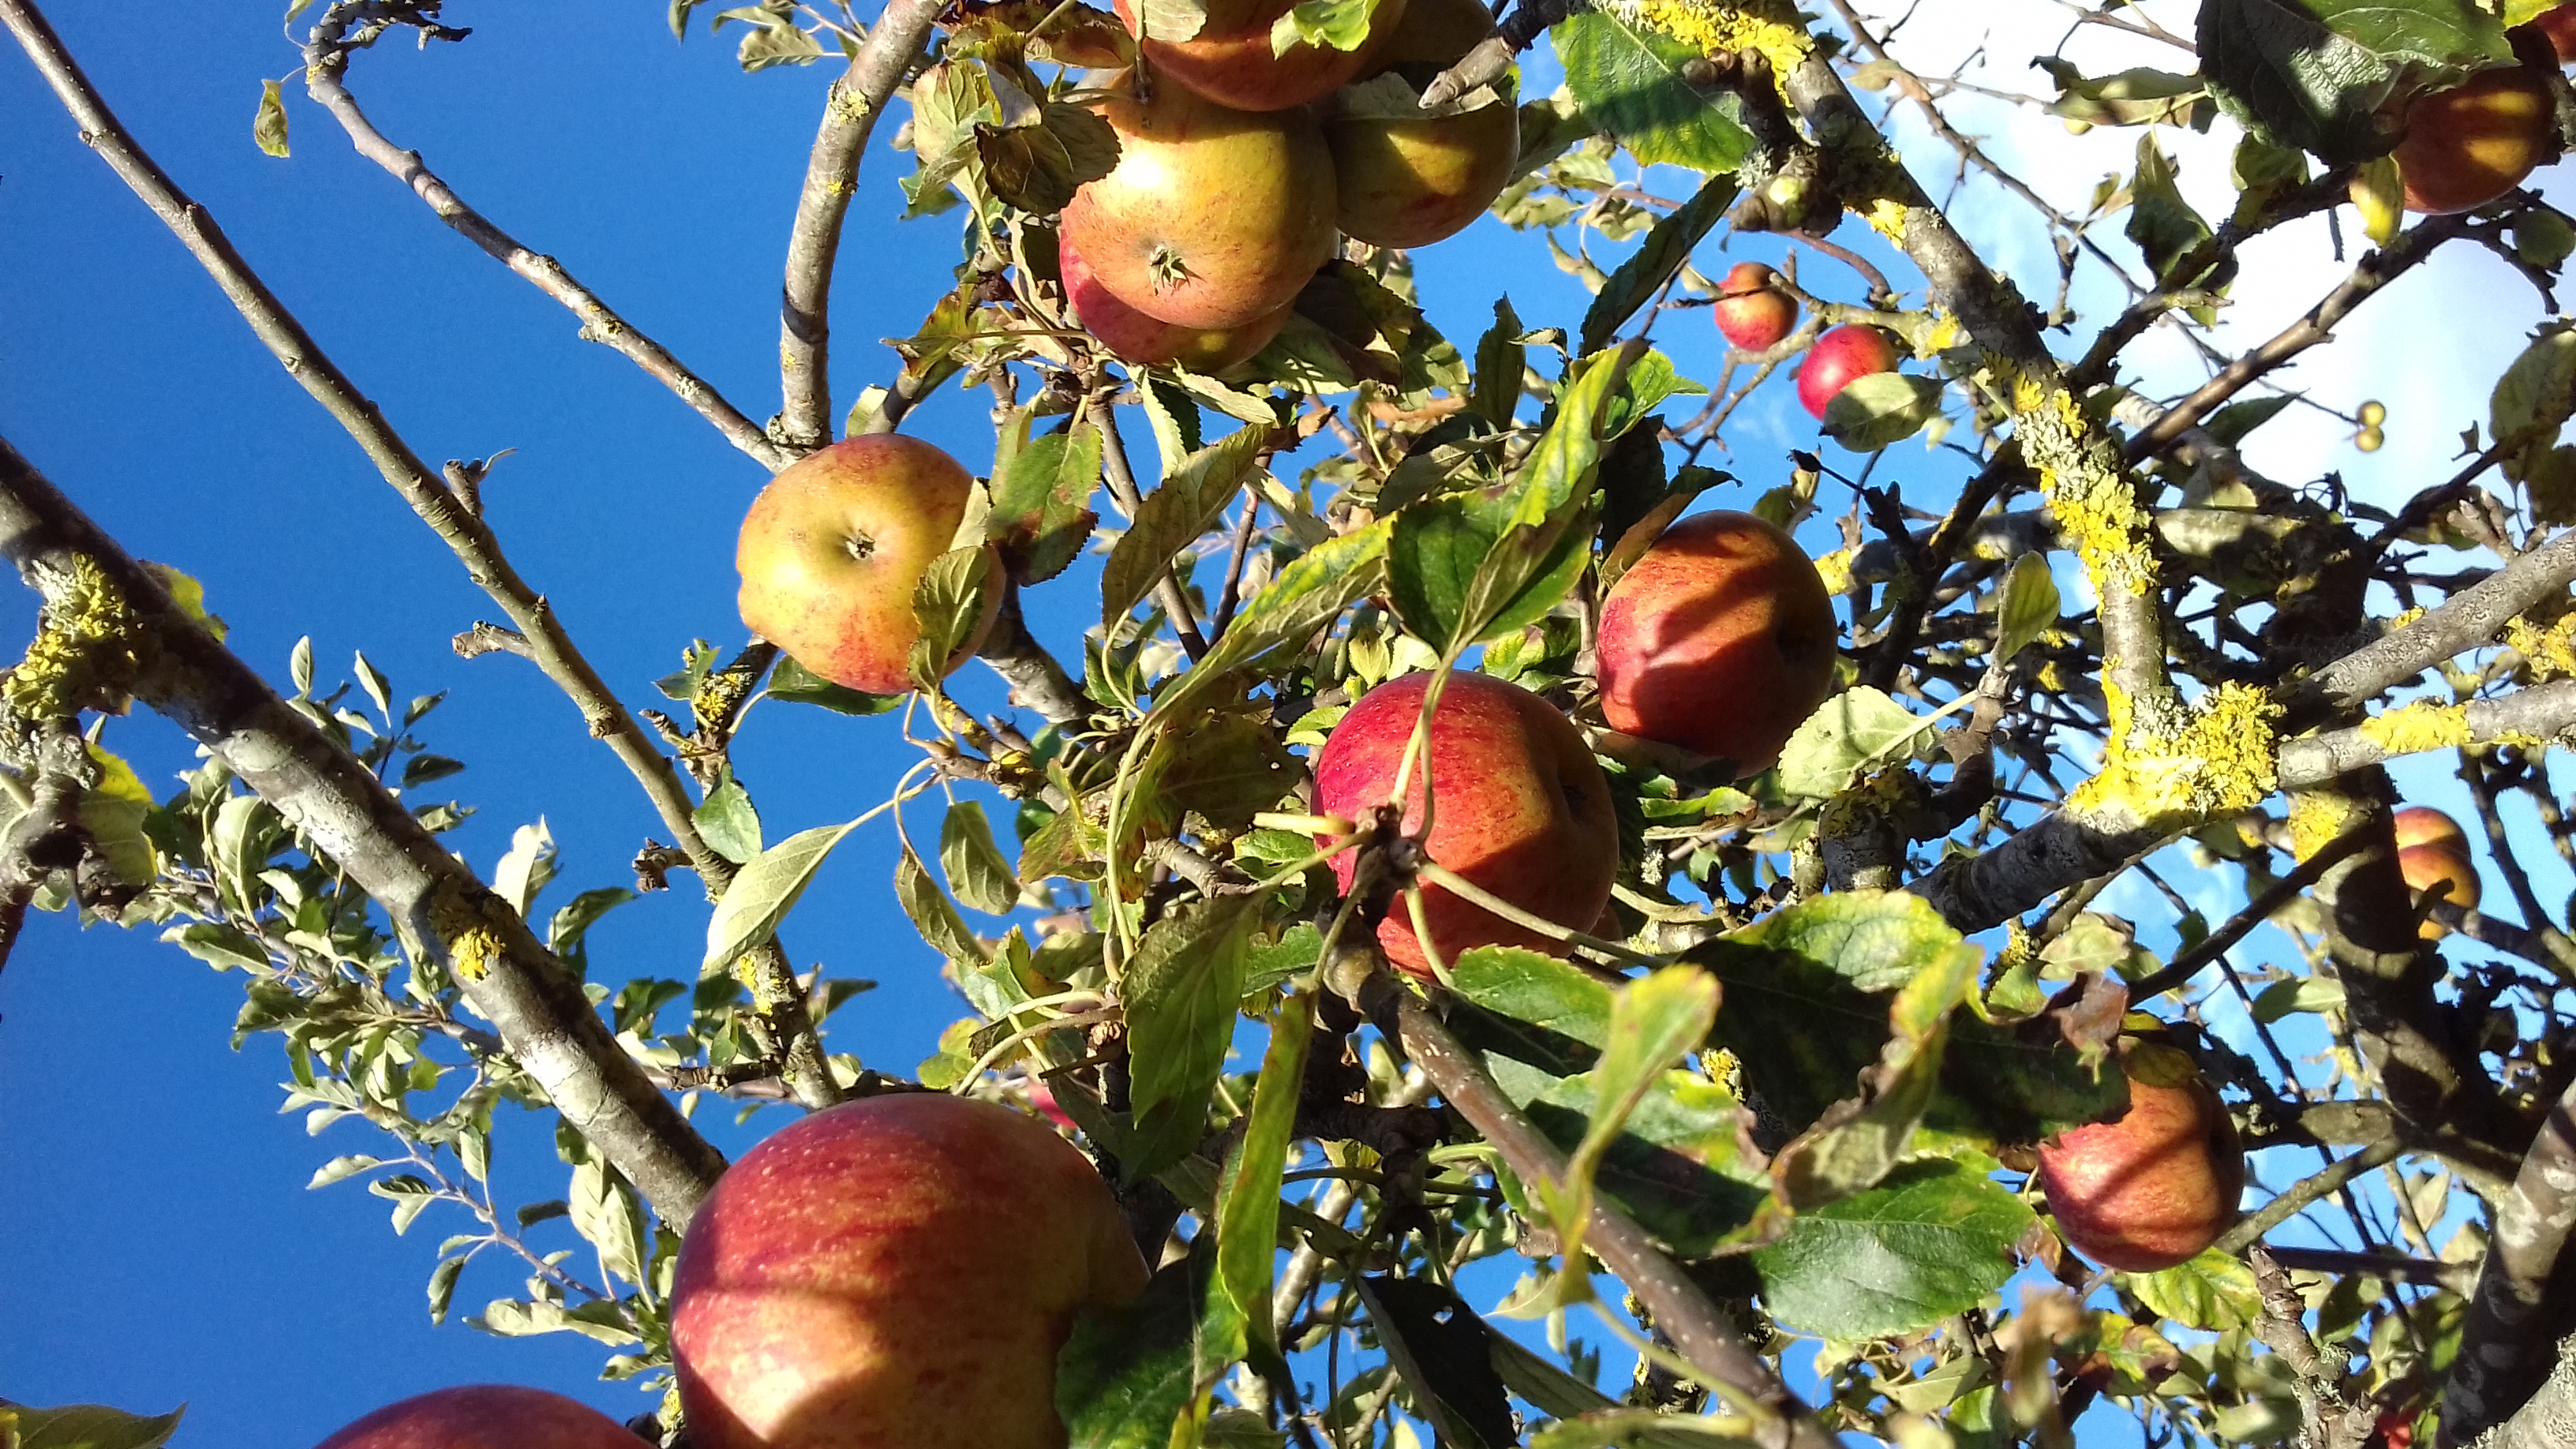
(850, 111)
(326, 63)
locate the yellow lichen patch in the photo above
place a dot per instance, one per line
(85, 653)
(1886, 216)
(2087, 489)
(473, 945)
(2549, 653)
(2317, 817)
(2414, 728)
(2217, 760)
(1723, 27)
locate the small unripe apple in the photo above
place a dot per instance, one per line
(1843, 353)
(897, 1272)
(1230, 60)
(1150, 341)
(1520, 808)
(1213, 218)
(1751, 309)
(1719, 639)
(485, 1416)
(833, 548)
(2431, 849)
(2466, 146)
(2158, 1184)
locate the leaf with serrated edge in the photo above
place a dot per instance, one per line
(1247, 1226)
(1666, 248)
(973, 864)
(1182, 507)
(1180, 991)
(763, 893)
(1930, 1241)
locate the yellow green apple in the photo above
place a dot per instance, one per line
(833, 548)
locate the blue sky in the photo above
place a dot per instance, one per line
(156, 1240)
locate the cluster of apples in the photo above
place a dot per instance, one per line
(1238, 167)
(1755, 313)
(898, 1272)
(2431, 852)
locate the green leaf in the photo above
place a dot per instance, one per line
(1126, 1379)
(1180, 991)
(2021, 1083)
(950, 603)
(2213, 1291)
(795, 684)
(775, 42)
(442, 1287)
(1041, 515)
(1930, 1241)
(1444, 1353)
(1340, 24)
(2163, 224)
(1226, 768)
(1307, 595)
(760, 897)
(1500, 361)
(1037, 168)
(610, 1217)
(2533, 400)
(340, 1169)
(1628, 81)
(1666, 248)
(2314, 74)
(1856, 731)
(1247, 1205)
(1538, 990)
(1185, 505)
(86, 1426)
(268, 127)
(244, 835)
(2137, 97)
(1655, 1022)
(567, 934)
(1881, 409)
(2028, 608)
(2314, 994)
(728, 823)
(932, 914)
(974, 865)
(1856, 1143)
(1556, 1392)
(1171, 19)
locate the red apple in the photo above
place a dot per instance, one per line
(1213, 218)
(485, 1416)
(1751, 309)
(1406, 179)
(2467, 146)
(833, 548)
(897, 1272)
(1843, 353)
(2559, 25)
(2155, 1186)
(1230, 60)
(1151, 342)
(1522, 809)
(2431, 849)
(1719, 639)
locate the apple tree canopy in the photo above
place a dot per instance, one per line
(2138, 637)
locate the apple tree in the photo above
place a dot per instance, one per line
(1806, 1067)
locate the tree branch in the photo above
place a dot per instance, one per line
(437, 904)
(326, 62)
(850, 111)
(1679, 1309)
(447, 514)
(2468, 619)
(2516, 1317)
(2542, 712)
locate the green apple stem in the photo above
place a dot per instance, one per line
(1458, 885)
